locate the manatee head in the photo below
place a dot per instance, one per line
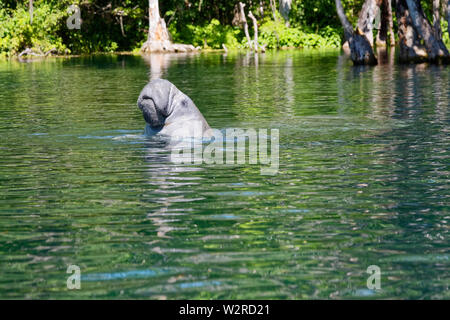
(155, 102)
(170, 112)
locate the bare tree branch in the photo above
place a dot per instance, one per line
(244, 21)
(255, 28)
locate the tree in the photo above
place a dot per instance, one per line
(387, 24)
(448, 16)
(366, 18)
(285, 8)
(419, 40)
(243, 20)
(437, 20)
(31, 9)
(411, 50)
(158, 36)
(361, 51)
(435, 47)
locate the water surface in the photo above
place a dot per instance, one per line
(363, 180)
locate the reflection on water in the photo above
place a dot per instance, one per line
(363, 180)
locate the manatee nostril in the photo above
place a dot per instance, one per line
(148, 118)
(145, 102)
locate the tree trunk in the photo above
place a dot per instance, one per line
(366, 18)
(387, 24)
(391, 24)
(119, 17)
(255, 28)
(244, 21)
(158, 36)
(361, 51)
(448, 16)
(410, 48)
(285, 8)
(384, 23)
(274, 9)
(348, 28)
(435, 47)
(261, 9)
(31, 9)
(157, 27)
(437, 20)
(236, 15)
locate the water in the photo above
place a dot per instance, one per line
(363, 180)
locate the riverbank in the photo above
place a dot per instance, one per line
(232, 51)
(47, 30)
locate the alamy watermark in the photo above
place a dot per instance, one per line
(74, 280)
(374, 280)
(74, 21)
(230, 147)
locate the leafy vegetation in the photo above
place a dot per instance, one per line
(16, 31)
(276, 35)
(113, 25)
(210, 35)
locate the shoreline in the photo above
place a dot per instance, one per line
(132, 53)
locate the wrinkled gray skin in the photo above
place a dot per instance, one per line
(170, 112)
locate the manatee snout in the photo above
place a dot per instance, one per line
(154, 117)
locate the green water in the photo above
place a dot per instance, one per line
(363, 180)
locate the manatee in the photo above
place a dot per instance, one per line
(168, 111)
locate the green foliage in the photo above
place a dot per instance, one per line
(100, 29)
(272, 34)
(204, 23)
(201, 12)
(445, 35)
(317, 14)
(210, 35)
(275, 34)
(16, 32)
